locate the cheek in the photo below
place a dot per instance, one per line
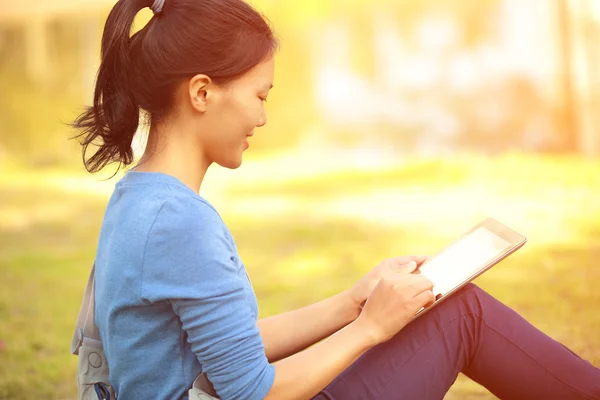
(249, 109)
(241, 113)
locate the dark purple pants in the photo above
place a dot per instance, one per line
(473, 333)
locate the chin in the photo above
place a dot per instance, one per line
(231, 164)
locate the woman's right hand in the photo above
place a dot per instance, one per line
(390, 306)
(393, 303)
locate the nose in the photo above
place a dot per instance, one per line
(263, 119)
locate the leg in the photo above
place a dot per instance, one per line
(474, 333)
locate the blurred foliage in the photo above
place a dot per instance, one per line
(34, 114)
(470, 14)
(32, 129)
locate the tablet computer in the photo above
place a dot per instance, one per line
(479, 249)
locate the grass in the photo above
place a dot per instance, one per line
(306, 238)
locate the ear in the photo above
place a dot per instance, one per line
(199, 89)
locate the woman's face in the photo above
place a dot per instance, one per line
(233, 112)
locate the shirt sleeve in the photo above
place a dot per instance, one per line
(190, 263)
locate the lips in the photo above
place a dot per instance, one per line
(246, 144)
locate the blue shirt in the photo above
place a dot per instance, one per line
(173, 298)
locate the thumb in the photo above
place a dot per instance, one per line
(407, 267)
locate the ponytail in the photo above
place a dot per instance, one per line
(112, 121)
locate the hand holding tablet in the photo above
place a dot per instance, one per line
(400, 297)
(482, 247)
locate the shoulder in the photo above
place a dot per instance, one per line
(188, 248)
(183, 213)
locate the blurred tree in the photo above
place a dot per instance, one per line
(590, 29)
(580, 77)
(567, 118)
(33, 110)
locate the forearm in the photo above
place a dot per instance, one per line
(303, 375)
(288, 333)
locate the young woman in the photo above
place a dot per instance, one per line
(173, 297)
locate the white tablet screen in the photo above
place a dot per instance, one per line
(461, 260)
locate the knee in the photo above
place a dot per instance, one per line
(471, 289)
(470, 297)
(471, 292)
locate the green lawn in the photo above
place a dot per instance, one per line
(308, 237)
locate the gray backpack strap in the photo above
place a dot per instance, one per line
(92, 370)
(86, 326)
(202, 389)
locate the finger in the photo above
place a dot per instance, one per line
(419, 284)
(419, 259)
(411, 285)
(401, 260)
(409, 267)
(405, 264)
(424, 299)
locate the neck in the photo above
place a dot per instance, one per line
(173, 152)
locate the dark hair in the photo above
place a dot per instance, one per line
(220, 38)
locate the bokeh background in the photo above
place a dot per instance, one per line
(394, 126)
